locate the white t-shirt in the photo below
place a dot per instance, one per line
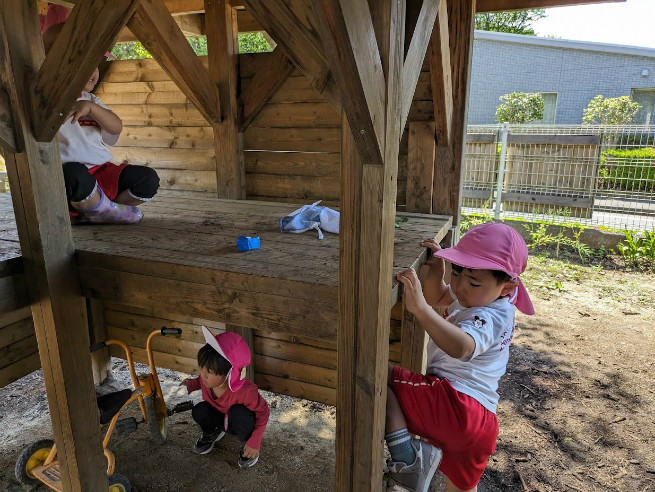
(85, 141)
(492, 329)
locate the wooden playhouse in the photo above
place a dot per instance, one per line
(362, 104)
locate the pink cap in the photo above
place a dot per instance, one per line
(233, 348)
(57, 14)
(493, 246)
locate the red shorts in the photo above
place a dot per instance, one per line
(465, 431)
(107, 175)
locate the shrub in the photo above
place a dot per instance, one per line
(627, 169)
(639, 250)
(612, 111)
(520, 107)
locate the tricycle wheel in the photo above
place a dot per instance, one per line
(119, 483)
(156, 413)
(34, 455)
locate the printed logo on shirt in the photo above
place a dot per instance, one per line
(89, 123)
(506, 338)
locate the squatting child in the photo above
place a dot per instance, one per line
(231, 403)
(97, 190)
(453, 407)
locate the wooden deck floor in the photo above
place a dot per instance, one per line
(182, 258)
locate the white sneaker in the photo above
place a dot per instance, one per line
(417, 476)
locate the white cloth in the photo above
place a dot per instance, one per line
(310, 217)
(85, 141)
(492, 329)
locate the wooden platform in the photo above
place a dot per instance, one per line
(182, 258)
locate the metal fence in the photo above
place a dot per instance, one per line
(595, 175)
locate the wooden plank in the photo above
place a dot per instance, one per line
(190, 24)
(66, 69)
(17, 331)
(293, 139)
(13, 293)
(416, 54)
(168, 137)
(136, 339)
(307, 187)
(293, 163)
(300, 41)
(480, 138)
(7, 134)
(441, 76)
(296, 371)
(10, 140)
(11, 317)
(548, 199)
(296, 352)
(420, 167)
(100, 359)
(247, 22)
(159, 158)
(186, 365)
(219, 303)
(448, 162)
(161, 36)
(160, 115)
(19, 369)
(298, 389)
(42, 221)
(263, 86)
(349, 40)
(223, 55)
(315, 115)
(131, 318)
(203, 181)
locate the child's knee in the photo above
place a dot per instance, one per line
(79, 182)
(143, 182)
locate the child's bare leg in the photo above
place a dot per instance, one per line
(450, 487)
(395, 419)
(89, 202)
(125, 198)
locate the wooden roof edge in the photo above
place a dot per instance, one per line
(488, 6)
(178, 7)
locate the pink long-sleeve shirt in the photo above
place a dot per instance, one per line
(248, 395)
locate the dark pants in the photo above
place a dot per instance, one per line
(142, 181)
(240, 420)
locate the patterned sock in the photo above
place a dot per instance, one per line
(400, 446)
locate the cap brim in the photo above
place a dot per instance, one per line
(467, 260)
(211, 340)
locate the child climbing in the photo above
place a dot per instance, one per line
(231, 403)
(97, 190)
(453, 406)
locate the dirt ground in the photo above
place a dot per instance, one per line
(576, 410)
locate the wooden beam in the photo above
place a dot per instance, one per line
(7, 134)
(44, 231)
(441, 76)
(8, 98)
(189, 24)
(446, 199)
(365, 274)
(161, 36)
(247, 22)
(301, 43)
(265, 83)
(350, 43)
(416, 54)
(484, 6)
(223, 57)
(420, 167)
(66, 69)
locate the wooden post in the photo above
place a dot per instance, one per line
(446, 197)
(223, 57)
(420, 167)
(58, 310)
(100, 359)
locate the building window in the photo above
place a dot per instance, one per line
(645, 97)
(550, 107)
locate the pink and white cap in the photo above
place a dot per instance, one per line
(493, 246)
(57, 14)
(233, 348)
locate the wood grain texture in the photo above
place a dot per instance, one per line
(58, 310)
(441, 76)
(420, 167)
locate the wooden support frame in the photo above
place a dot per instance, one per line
(154, 26)
(66, 69)
(420, 167)
(416, 54)
(302, 45)
(441, 76)
(263, 86)
(446, 199)
(44, 230)
(8, 98)
(223, 57)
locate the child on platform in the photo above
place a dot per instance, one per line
(453, 406)
(231, 403)
(97, 190)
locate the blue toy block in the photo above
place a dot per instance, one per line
(245, 243)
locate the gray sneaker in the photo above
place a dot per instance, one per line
(246, 462)
(205, 443)
(417, 476)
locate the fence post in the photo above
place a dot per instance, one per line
(501, 168)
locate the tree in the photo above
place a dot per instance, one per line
(612, 111)
(517, 22)
(520, 107)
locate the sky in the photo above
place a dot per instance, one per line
(629, 23)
